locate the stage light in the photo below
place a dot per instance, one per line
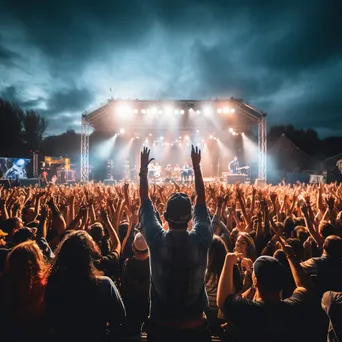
(160, 112)
(234, 133)
(154, 110)
(176, 111)
(186, 137)
(168, 110)
(124, 108)
(122, 131)
(197, 131)
(135, 111)
(181, 111)
(211, 137)
(171, 144)
(225, 110)
(231, 130)
(161, 138)
(146, 140)
(207, 110)
(232, 110)
(219, 110)
(143, 111)
(179, 137)
(191, 110)
(242, 133)
(198, 112)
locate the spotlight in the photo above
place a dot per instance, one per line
(168, 110)
(160, 112)
(171, 144)
(154, 110)
(219, 110)
(179, 137)
(207, 110)
(225, 110)
(242, 133)
(150, 134)
(231, 130)
(197, 131)
(198, 112)
(191, 110)
(122, 131)
(135, 111)
(211, 137)
(143, 111)
(232, 110)
(176, 111)
(186, 137)
(181, 111)
(234, 133)
(161, 138)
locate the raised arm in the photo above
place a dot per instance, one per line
(145, 161)
(199, 184)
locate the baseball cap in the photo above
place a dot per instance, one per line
(24, 234)
(270, 273)
(139, 243)
(178, 208)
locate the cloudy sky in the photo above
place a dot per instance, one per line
(284, 57)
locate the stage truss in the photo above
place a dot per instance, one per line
(97, 119)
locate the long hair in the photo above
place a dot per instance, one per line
(251, 249)
(217, 255)
(74, 259)
(24, 266)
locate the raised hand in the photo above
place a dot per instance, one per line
(195, 156)
(145, 157)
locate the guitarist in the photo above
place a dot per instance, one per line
(233, 166)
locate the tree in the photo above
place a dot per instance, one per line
(11, 118)
(34, 127)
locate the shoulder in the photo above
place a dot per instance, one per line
(105, 282)
(299, 296)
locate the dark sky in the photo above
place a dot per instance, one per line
(284, 57)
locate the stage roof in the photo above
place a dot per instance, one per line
(183, 115)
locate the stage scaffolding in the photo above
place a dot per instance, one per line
(93, 119)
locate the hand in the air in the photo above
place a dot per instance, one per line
(195, 156)
(145, 157)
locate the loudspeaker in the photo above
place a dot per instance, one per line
(109, 182)
(5, 183)
(260, 182)
(30, 181)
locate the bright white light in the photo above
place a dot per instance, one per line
(187, 144)
(211, 137)
(225, 110)
(168, 110)
(146, 140)
(124, 108)
(219, 110)
(234, 133)
(160, 112)
(191, 110)
(197, 131)
(135, 111)
(176, 111)
(171, 144)
(186, 137)
(122, 131)
(198, 112)
(232, 110)
(207, 110)
(154, 110)
(143, 111)
(150, 134)
(231, 130)
(179, 137)
(161, 138)
(242, 133)
(181, 111)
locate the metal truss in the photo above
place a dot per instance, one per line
(262, 146)
(85, 133)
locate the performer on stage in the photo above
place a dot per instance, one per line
(44, 179)
(233, 166)
(186, 173)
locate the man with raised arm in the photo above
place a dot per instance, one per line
(178, 259)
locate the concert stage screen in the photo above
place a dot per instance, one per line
(15, 168)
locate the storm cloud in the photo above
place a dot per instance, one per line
(284, 57)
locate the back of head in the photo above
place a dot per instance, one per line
(216, 257)
(24, 265)
(96, 231)
(333, 246)
(326, 229)
(270, 274)
(178, 211)
(74, 257)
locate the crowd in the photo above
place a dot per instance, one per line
(181, 262)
